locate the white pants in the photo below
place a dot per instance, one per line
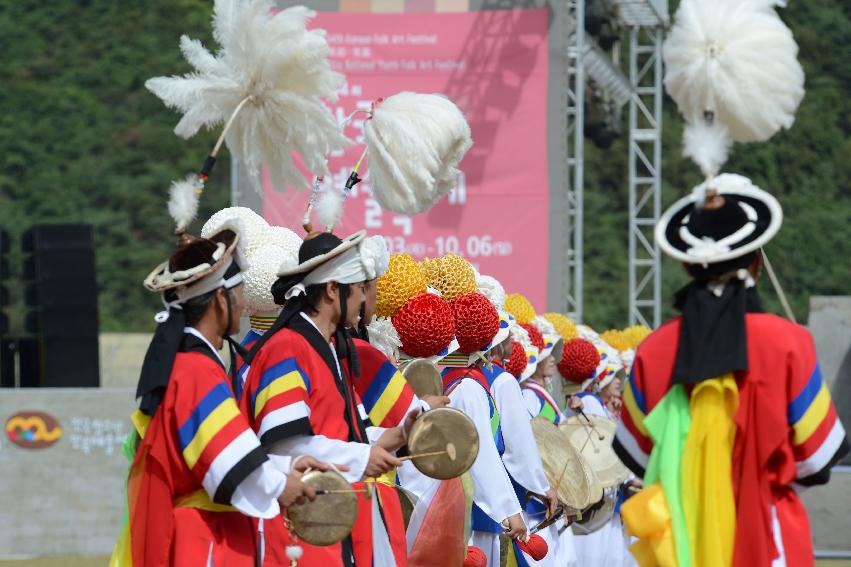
(489, 544)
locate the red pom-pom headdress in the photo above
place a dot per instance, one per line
(535, 336)
(516, 363)
(579, 361)
(425, 325)
(476, 321)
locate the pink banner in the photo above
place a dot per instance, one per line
(493, 64)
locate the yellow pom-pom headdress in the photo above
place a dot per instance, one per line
(519, 307)
(633, 336)
(451, 275)
(564, 326)
(616, 339)
(403, 280)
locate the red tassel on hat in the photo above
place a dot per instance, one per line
(535, 547)
(476, 557)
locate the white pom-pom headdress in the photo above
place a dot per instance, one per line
(268, 247)
(265, 82)
(384, 337)
(733, 65)
(492, 289)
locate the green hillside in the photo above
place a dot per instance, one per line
(81, 140)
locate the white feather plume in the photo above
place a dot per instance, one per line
(737, 59)
(329, 209)
(707, 145)
(415, 143)
(183, 201)
(273, 58)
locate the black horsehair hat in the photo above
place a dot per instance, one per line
(694, 233)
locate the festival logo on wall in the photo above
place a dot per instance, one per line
(33, 429)
(497, 217)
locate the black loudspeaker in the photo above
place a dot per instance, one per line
(4, 275)
(61, 291)
(20, 356)
(7, 363)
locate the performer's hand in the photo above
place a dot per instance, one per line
(516, 527)
(295, 491)
(409, 421)
(380, 461)
(574, 403)
(435, 402)
(551, 500)
(302, 463)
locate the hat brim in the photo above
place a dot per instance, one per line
(532, 359)
(347, 243)
(670, 235)
(161, 279)
(437, 358)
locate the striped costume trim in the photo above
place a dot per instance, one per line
(817, 433)
(388, 396)
(217, 444)
(215, 411)
(279, 404)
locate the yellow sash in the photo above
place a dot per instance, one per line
(200, 500)
(707, 487)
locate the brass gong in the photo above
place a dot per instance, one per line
(447, 440)
(423, 377)
(408, 501)
(568, 473)
(328, 519)
(584, 434)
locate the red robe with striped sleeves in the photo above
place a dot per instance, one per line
(290, 390)
(196, 450)
(787, 431)
(387, 399)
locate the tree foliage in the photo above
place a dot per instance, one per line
(808, 168)
(81, 140)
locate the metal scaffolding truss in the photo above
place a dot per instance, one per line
(645, 174)
(643, 92)
(575, 159)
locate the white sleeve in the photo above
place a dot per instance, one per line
(257, 495)
(492, 490)
(533, 402)
(521, 456)
(373, 433)
(591, 405)
(353, 455)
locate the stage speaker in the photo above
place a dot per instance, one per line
(20, 363)
(61, 292)
(4, 276)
